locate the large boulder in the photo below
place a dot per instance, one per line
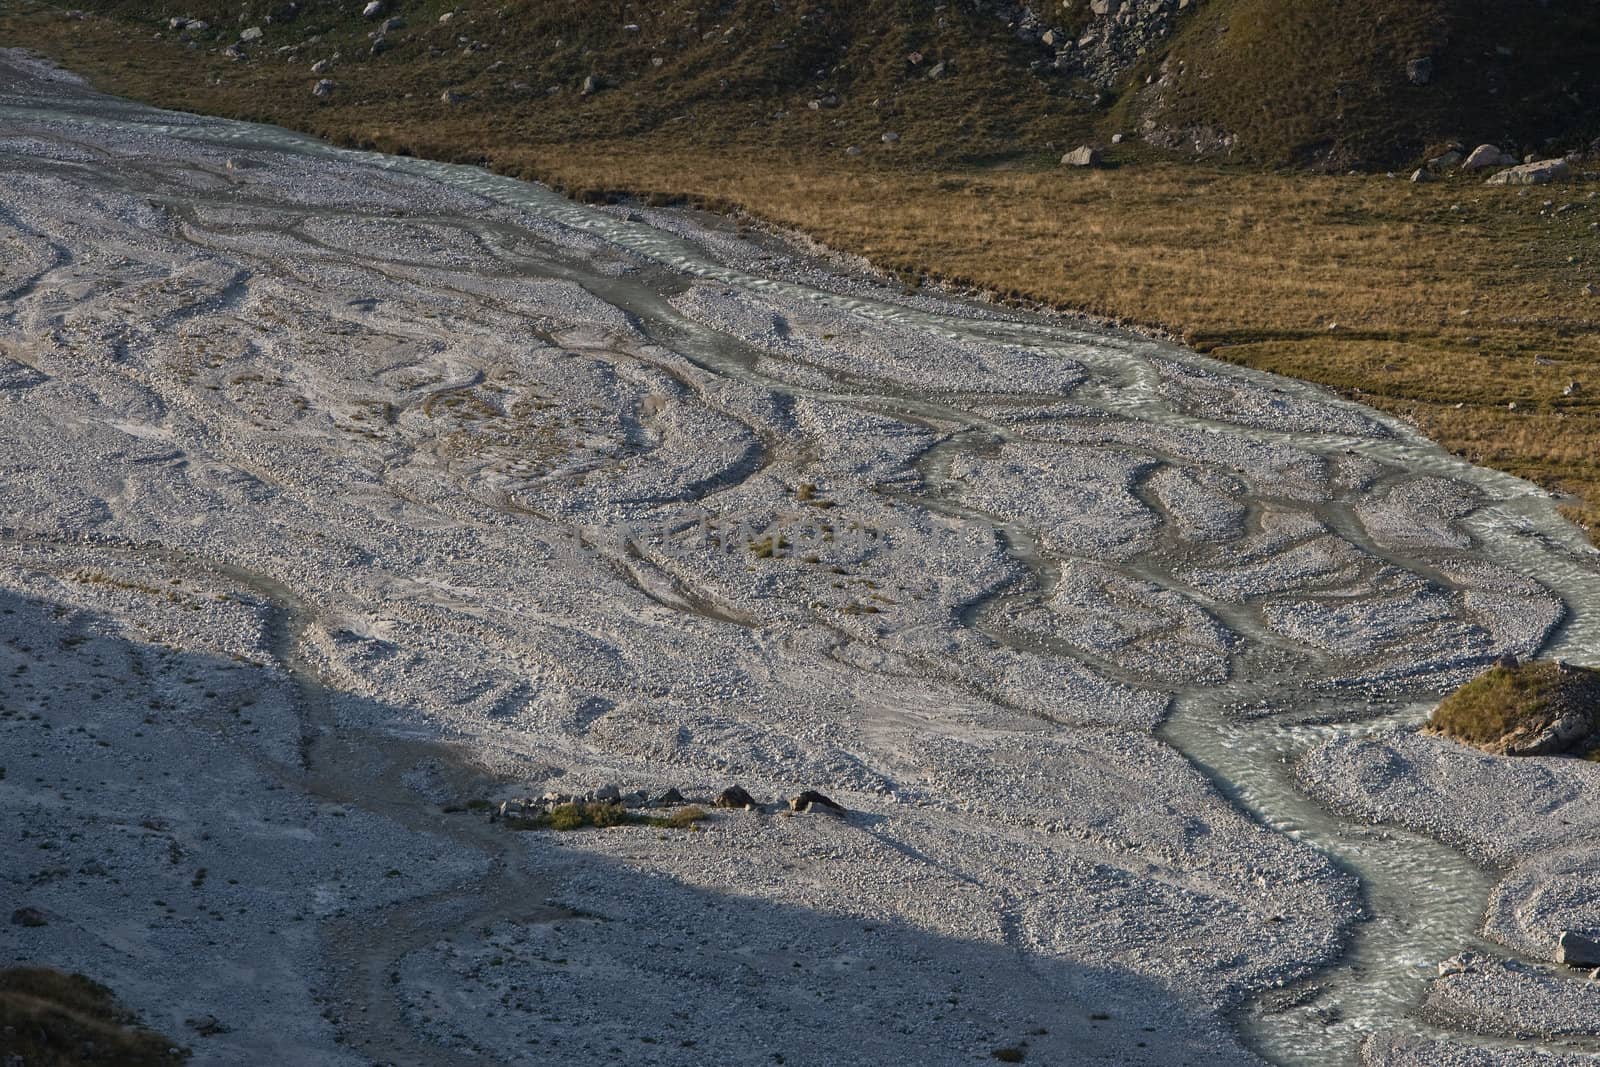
(1082, 156)
(1487, 157)
(1543, 172)
(1577, 950)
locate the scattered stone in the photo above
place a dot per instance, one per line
(205, 1025)
(447, 16)
(1577, 950)
(669, 798)
(608, 794)
(1572, 389)
(1116, 138)
(1422, 175)
(372, 10)
(1543, 172)
(177, 23)
(323, 88)
(1485, 157)
(29, 917)
(1446, 159)
(591, 85)
(1082, 156)
(812, 800)
(1463, 963)
(735, 797)
(251, 34)
(853, 150)
(451, 96)
(1419, 71)
(392, 24)
(890, 138)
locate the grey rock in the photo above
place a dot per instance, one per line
(1577, 950)
(608, 793)
(811, 800)
(591, 85)
(1419, 71)
(321, 66)
(1542, 172)
(372, 10)
(29, 917)
(1082, 156)
(1422, 175)
(669, 798)
(735, 797)
(323, 88)
(1485, 157)
(251, 34)
(890, 138)
(392, 24)
(451, 96)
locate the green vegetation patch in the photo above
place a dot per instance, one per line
(51, 1019)
(1530, 709)
(569, 817)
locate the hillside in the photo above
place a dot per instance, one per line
(1268, 81)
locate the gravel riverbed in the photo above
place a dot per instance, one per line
(345, 497)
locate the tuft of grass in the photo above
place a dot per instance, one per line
(602, 816)
(1505, 702)
(50, 1018)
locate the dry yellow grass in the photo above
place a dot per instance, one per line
(1453, 301)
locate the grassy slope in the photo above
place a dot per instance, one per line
(51, 1019)
(1445, 294)
(1326, 84)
